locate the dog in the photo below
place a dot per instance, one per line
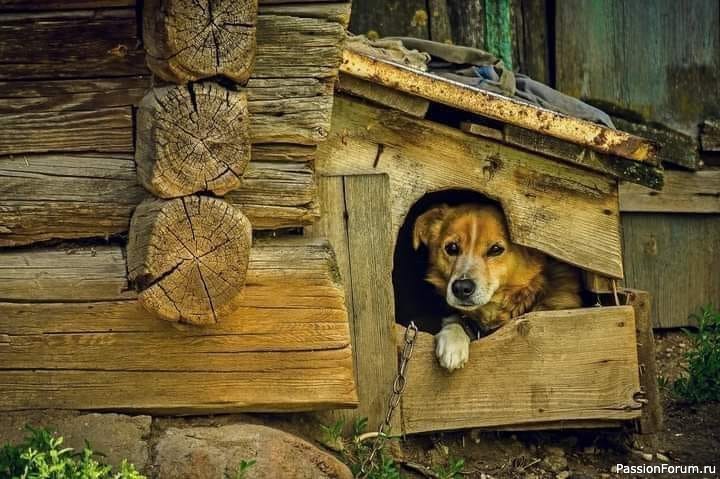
(484, 276)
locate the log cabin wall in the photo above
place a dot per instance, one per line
(655, 67)
(81, 136)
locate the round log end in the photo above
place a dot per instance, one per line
(188, 257)
(192, 139)
(188, 40)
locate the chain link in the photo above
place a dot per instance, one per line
(394, 401)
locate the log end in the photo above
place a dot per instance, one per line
(188, 257)
(192, 139)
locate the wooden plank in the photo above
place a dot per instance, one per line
(439, 21)
(93, 347)
(385, 96)
(675, 257)
(675, 147)
(651, 420)
(385, 18)
(331, 10)
(50, 5)
(71, 95)
(77, 44)
(498, 34)
(710, 136)
(421, 156)
(654, 62)
(467, 18)
(481, 130)
(596, 283)
(367, 200)
(684, 192)
(76, 196)
(641, 173)
(498, 107)
(108, 130)
(531, 36)
(545, 366)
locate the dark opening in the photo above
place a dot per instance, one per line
(416, 299)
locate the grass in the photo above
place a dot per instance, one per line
(701, 381)
(41, 456)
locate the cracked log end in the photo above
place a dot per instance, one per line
(191, 139)
(187, 40)
(189, 257)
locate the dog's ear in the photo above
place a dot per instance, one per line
(427, 225)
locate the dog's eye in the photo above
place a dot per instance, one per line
(452, 248)
(495, 250)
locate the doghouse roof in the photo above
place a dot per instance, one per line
(581, 142)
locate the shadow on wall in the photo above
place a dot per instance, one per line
(416, 299)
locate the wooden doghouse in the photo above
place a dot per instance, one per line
(556, 178)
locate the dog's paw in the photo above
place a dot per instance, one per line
(452, 347)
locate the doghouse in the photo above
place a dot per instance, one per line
(197, 237)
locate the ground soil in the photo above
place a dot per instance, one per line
(691, 436)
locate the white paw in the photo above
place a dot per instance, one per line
(452, 347)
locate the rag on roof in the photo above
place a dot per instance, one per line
(476, 68)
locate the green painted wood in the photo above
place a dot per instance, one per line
(655, 58)
(675, 258)
(498, 33)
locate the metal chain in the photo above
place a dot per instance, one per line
(394, 401)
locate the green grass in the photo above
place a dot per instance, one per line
(701, 382)
(41, 456)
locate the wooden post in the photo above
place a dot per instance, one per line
(192, 139)
(189, 257)
(189, 40)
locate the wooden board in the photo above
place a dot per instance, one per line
(382, 95)
(26, 5)
(498, 107)
(710, 136)
(675, 258)
(544, 366)
(69, 343)
(640, 173)
(421, 156)
(674, 147)
(75, 196)
(684, 192)
(390, 18)
(657, 59)
(355, 219)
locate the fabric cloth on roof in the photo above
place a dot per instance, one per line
(476, 68)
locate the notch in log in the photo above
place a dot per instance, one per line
(188, 257)
(191, 139)
(187, 40)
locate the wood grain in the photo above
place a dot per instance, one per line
(675, 147)
(710, 136)
(684, 192)
(545, 366)
(50, 5)
(286, 348)
(674, 257)
(44, 197)
(390, 18)
(382, 95)
(414, 153)
(654, 62)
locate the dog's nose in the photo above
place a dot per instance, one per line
(463, 288)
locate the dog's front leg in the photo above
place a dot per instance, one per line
(452, 344)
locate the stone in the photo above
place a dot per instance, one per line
(555, 463)
(117, 436)
(216, 452)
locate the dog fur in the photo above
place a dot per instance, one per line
(484, 276)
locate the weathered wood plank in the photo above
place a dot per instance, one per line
(382, 95)
(280, 351)
(559, 365)
(51, 5)
(675, 147)
(76, 196)
(414, 153)
(658, 58)
(467, 18)
(710, 136)
(498, 107)
(77, 44)
(71, 95)
(367, 202)
(384, 18)
(440, 29)
(684, 192)
(675, 257)
(531, 37)
(327, 9)
(108, 130)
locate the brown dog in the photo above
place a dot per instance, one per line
(484, 276)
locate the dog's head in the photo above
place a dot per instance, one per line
(470, 253)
